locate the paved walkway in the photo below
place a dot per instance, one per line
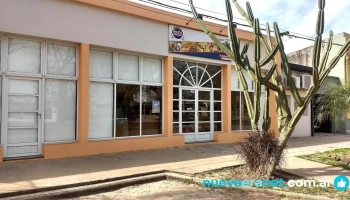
(25, 175)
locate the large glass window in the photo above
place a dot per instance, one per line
(125, 101)
(60, 93)
(239, 113)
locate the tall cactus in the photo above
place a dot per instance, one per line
(272, 80)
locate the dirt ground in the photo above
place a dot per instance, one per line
(172, 190)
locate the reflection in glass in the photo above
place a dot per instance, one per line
(235, 110)
(188, 94)
(176, 93)
(217, 95)
(180, 66)
(101, 64)
(101, 110)
(23, 135)
(188, 116)
(176, 128)
(187, 79)
(188, 128)
(193, 71)
(176, 77)
(188, 105)
(61, 60)
(217, 116)
(217, 126)
(60, 110)
(203, 95)
(152, 70)
(175, 116)
(204, 116)
(175, 105)
(151, 110)
(212, 70)
(128, 67)
(203, 106)
(217, 80)
(217, 106)
(22, 119)
(128, 110)
(23, 103)
(19, 86)
(203, 127)
(24, 56)
(206, 81)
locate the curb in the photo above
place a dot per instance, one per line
(197, 181)
(86, 187)
(106, 185)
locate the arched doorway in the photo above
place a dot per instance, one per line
(198, 88)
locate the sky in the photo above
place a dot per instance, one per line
(297, 16)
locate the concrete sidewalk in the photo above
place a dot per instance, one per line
(27, 175)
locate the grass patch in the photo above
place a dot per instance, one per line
(333, 157)
(242, 174)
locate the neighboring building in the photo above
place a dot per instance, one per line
(87, 77)
(339, 74)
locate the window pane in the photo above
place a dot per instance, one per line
(188, 127)
(175, 105)
(203, 127)
(152, 70)
(175, 116)
(23, 135)
(176, 77)
(22, 120)
(246, 125)
(101, 64)
(217, 116)
(217, 95)
(175, 93)
(203, 106)
(204, 80)
(17, 86)
(175, 128)
(193, 72)
(181, 66)
(212, 70)
(101, 110)
(203, 95)
(128, 67)
(204, 116)
(23, 103)
(61, 60)
(24, 56)
(128, 110)
(235, 107)
(217, 106)
(188, 105)
(60, 110)
(151, 110)
(188, 94)
(218, 126)
(188, 116)
(217, 81)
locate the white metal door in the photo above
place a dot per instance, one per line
(23, 114)
(196, 117)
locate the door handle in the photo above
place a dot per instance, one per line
(38, 114)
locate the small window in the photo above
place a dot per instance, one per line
(24, 56)
(128, 67)
(152, 70)
(101, 64)
(61, 60)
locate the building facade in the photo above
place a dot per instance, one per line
(340, 72)
(87, 77)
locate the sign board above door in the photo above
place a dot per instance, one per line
(194, 43)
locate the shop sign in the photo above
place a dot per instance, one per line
(194, 43)
(155, 106)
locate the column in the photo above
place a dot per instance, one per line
(83, 96)
(168, 96)
(226, 101)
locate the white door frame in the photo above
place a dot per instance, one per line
(197, 136)
(4, 136)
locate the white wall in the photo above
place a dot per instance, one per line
(77, 22)
(303, 127)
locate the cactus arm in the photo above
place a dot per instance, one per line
(243, 12)
(249, 69)
(270, 56)
(269, 74)
(267, 120)
(206, 30)
(268, 32)
(245, 49)
(318, 42)
(233, 40)
(326, 55)
(286, 68)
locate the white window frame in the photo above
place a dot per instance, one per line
(199, 87)
(140, 83)
(42, 76)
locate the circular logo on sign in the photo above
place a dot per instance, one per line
(341, 183)
(177, 33)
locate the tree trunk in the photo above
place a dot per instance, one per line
(282, 142)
